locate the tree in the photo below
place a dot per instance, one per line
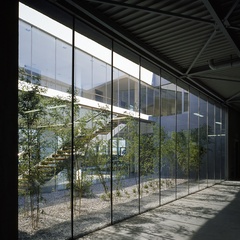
(187, 148)
(32, 111)
(143, 148)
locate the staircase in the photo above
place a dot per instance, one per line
(52, 165)
(47, 168)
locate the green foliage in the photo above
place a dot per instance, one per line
(105, 197)
(118, 193)
(91, 146)
(143, 144)
(188, 148)
(82, 187)
(31, 115)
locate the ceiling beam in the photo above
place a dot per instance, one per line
(233, 98)
(152, 10)
(223, 65)
(201, 51)
(212, 10)
(85, 12)
(217, 78)
(225, 20)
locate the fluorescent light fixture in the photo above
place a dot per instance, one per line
(217, 135)
(218, 123)
(198, 115)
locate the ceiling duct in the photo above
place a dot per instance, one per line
(229, 64)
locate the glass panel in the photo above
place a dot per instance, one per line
(150, 141)
(43, 56)
(83, 76)
(101, 81)
(143, 98)
(125, 142)
(92, 128)
(92, 138)
(63, 66)
(168, 143)
(182, 139)
(211, 144)
(195, 116)
(223, 144)
(92, 75)
(44, 134)
(126, 60)
(125, 165)
(203, 142)
(218, 147)
(25, 39)
(125, 90)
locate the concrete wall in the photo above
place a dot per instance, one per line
(9, 120)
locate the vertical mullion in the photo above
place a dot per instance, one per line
(175, 159)
(160, 140)
(139, 132)
(198, 137)
(220, 144)
(214, 127)
(207, 164)
(111, 144)
(72, 122)
(226, 147)
(189, 136)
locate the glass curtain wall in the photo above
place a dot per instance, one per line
(168, 149)
(194, 160)
(103, 133)
(125, 141)
(223, 145)
(92, 136)
(211, 154)
(218, 151)
(182, 139)
(149, 136)
(203, 141)
(45, 63)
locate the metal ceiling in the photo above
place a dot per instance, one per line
(197, 40)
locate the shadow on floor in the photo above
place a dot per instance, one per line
(224, 226)
(211, 214)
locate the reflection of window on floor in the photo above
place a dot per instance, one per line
(98, 95)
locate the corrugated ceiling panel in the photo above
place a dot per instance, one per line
(177, 39)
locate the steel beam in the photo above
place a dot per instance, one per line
(151, 10)
(221, 26)
(79, 9)
(201, 51)
(230, 11)
(233, 97)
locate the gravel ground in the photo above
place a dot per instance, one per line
(89, 214)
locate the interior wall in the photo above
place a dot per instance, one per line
(233, 145)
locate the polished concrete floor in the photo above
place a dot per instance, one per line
(210, 214)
